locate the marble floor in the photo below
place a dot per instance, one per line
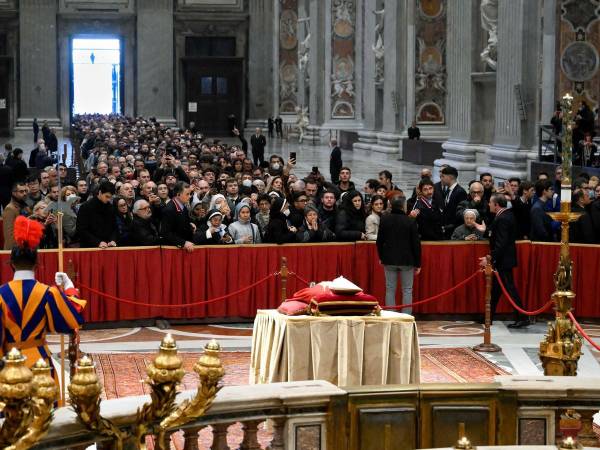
(364, 166)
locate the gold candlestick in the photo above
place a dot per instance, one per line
(561, 349)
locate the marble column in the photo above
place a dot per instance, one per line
(548, 60)
(459, 149)
(518, 46)
(261, 85)
(38, 77)
(316, 12)
(155, 60)
(372, 108)
(394, 86)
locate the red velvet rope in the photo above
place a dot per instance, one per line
(299, 278)
(583, 333)
(512, 302)
(157, 305)
(435, 297)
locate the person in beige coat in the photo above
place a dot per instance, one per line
(373, 219)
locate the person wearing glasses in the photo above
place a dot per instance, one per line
(144, 232)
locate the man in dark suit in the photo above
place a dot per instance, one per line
(427, 213)
(175, 226)
(521, 206)
(399, 250)
(258, 142)
(453, 195)
(335, 161)
(503, 234)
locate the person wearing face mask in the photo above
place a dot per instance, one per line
(243, 231)
(67, 206)
(279, 231)
(144, 232)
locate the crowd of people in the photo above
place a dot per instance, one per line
(143, 183)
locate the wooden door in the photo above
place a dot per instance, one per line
(214, 90)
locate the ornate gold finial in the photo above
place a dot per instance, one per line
(164, 374)
(27, 397)
(210, 371)
(464, 444)
(569, 443)
(84, 393)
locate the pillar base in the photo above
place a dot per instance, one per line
(378, 142)
(487, 348)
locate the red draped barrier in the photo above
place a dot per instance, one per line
(171, 276)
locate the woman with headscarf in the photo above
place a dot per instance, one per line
(219, 202)
(350, 220)
(213, 232)
(197, 213)
(279, 231)
(243, 231)
(313, 230)
(470, 230)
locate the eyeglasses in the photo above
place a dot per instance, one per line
(144, 208)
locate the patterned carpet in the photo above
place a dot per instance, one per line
(122, 373)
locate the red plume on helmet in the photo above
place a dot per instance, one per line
(28, 233)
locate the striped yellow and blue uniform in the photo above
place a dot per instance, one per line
(29, 310)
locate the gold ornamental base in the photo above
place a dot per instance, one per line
(561, 349)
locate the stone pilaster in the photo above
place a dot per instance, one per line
(316, 107)
(261, 88)
(548, 60)
(38, 76)
(514, 135)
(459, 149)
(155, 60)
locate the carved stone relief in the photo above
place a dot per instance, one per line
(343, 29)
(288, 56)
(577, 51)
(430, 64)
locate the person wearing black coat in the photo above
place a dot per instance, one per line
(175, 226)
(427, 213)
(36, 130)
(453, 194)
(6, 183)
(335, 162)
(278, 230)
(144, 232)
(399, 250)
(312, 229)
(96, 219)
(350, 219)
(258, 142)
(503, 253)
(20, 172)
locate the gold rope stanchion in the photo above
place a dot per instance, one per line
(284, 272)
(487, 345)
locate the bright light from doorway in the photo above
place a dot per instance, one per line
(96, 76)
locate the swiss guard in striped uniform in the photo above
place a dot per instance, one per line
(30, 309)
